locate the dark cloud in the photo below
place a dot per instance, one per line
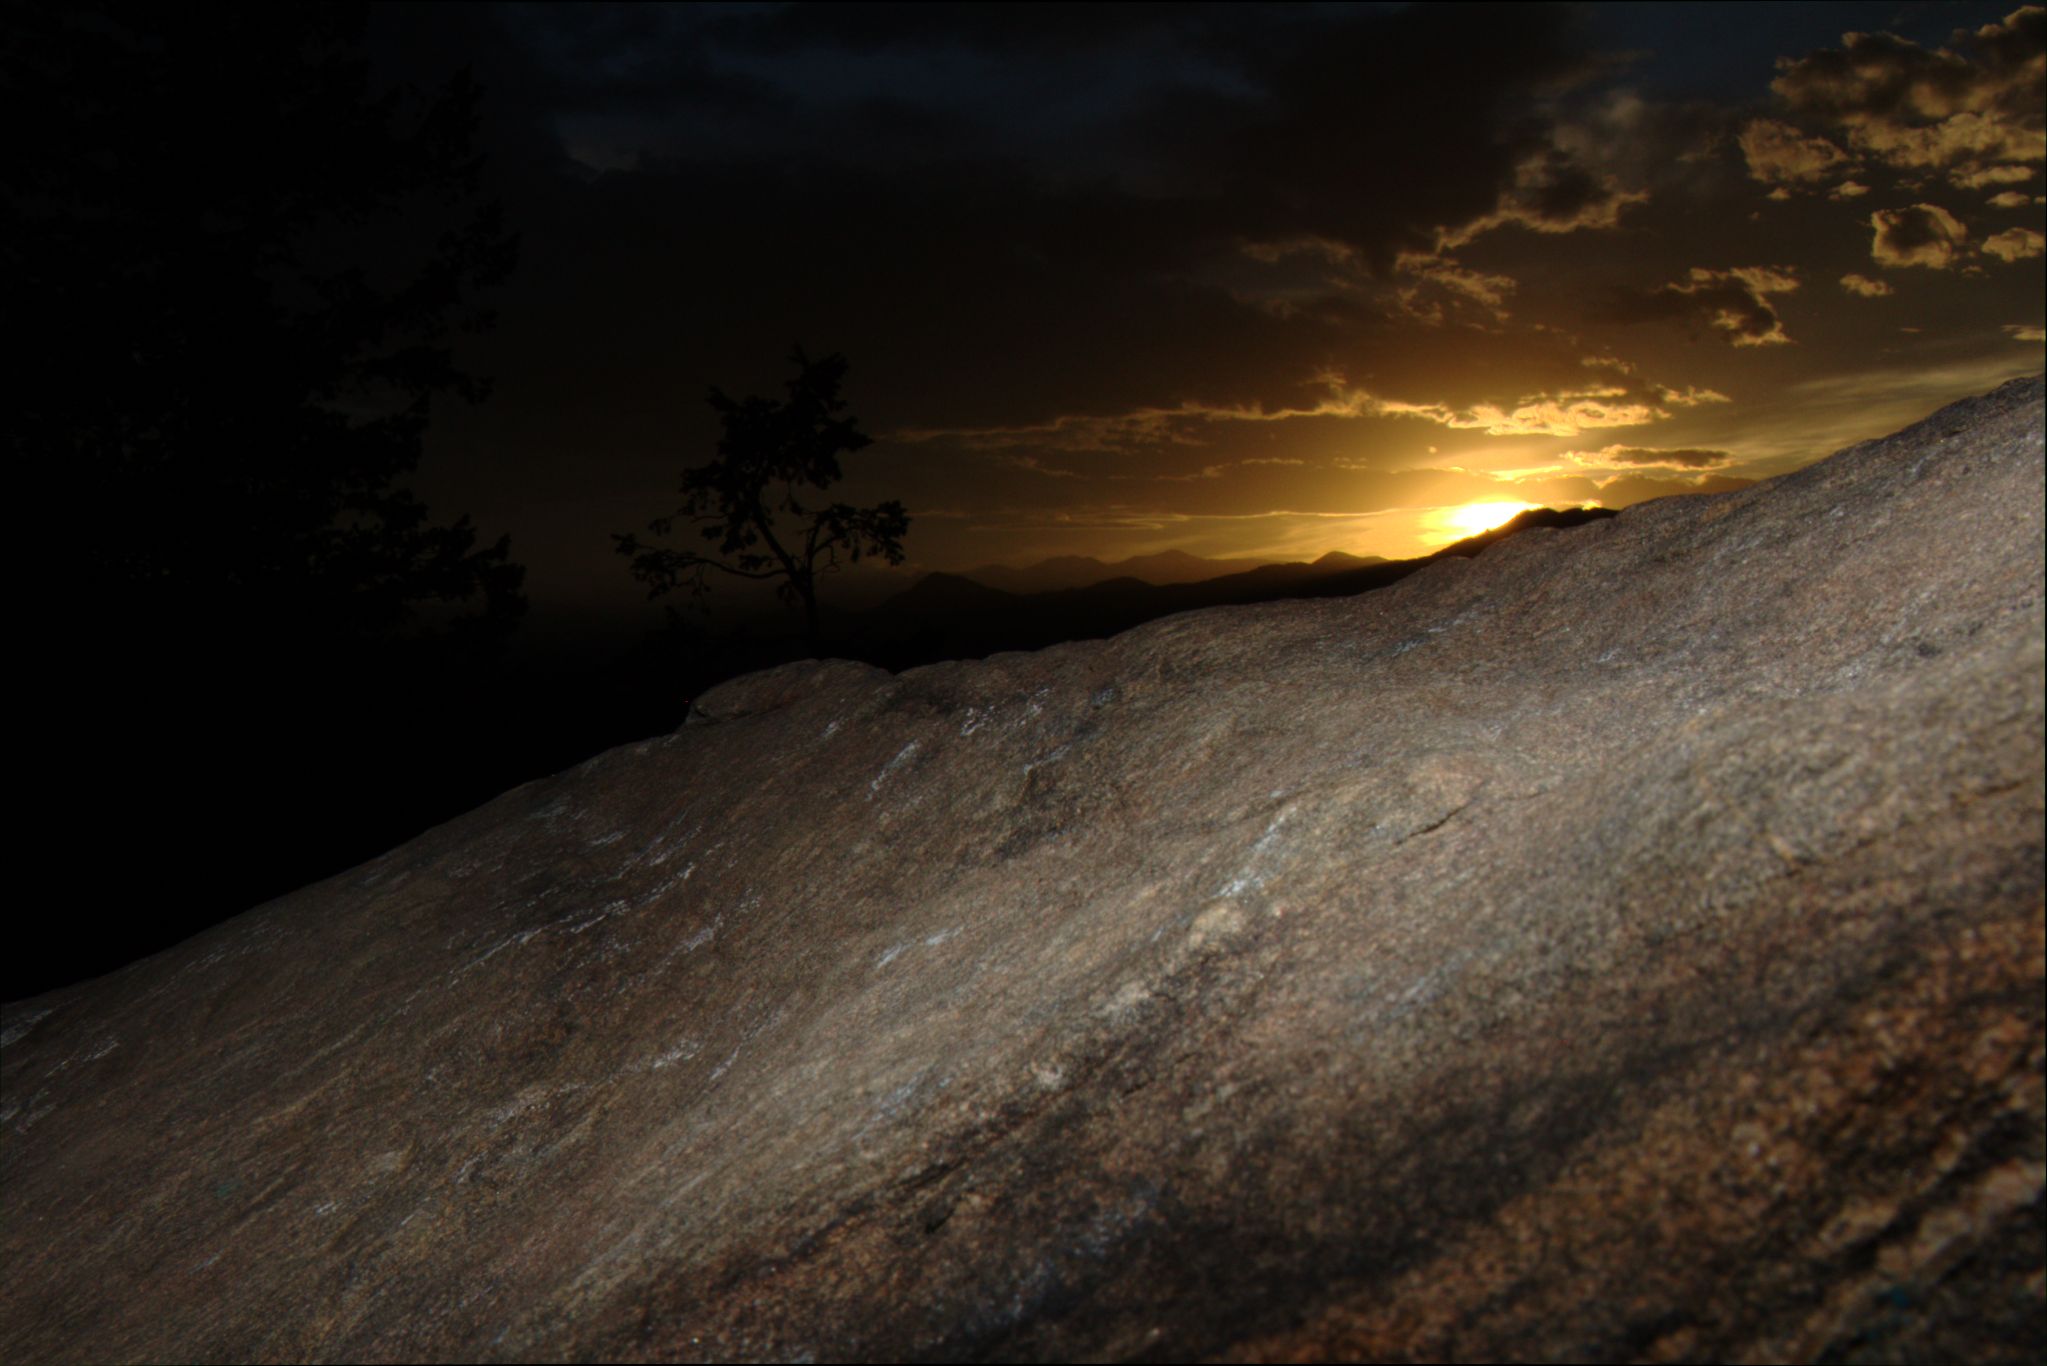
(1102, 263)
(1444, 291)
(1973, 103)
(1285, 122)
(1279, 122)
(1059, 30)
(1734, 302)
(756, 188)
(1343, 129)
(1553, 192)
(975, 293)
(1779, 154)
(1922, 235)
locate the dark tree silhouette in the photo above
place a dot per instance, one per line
(233, 269)
(747, 500)
(236, 271)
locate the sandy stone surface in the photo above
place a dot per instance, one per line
(1627, 944)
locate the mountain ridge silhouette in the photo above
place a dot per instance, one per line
(1161, 568)
(948, 615)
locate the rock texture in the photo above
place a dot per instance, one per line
(1627, 944)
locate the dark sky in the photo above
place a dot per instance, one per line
(1246, 281)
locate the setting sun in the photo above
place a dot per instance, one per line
(1457, 523)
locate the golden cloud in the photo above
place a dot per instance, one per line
(1554, 191)
(2014, 244)
(1979, 177)
(1681, 458)
(1964, 136)
(1779, 154)
(1923, 235)
(1866, 287)
(1611, 394)
(1448, 278)
(1564, 414)
(1974, 103)
(1735, 301)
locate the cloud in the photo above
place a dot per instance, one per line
(1442, 284)
(1614, 399)
(1325, 122)
(1371, 366)
(1028, 228)
(1272, 253)
(1335, 124)
(2025, 332)
(1982, 177)
(1845, 403)
(1734, 301)
(2014, 244)
(1848, 189)
(1974, 103)
(1553, 191)
(1923, 235)
(1205, 472)
(1866, 287)
(1779, 154)
(1556, 414)
(1681, 457)
(2011, 199)
(1036, 466)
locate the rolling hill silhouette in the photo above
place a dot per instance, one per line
(964, 616)
(1085, 571)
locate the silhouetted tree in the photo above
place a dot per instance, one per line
(746, 501)
(234, 273)
(232, 269)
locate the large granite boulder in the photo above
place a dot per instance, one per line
(1627, 944)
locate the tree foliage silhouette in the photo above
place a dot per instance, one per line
(748, 501)
(234, 268)
(238, 270)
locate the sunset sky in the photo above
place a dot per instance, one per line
(1261, 281)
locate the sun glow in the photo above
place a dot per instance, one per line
(1454, 524)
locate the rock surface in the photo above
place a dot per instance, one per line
(1627, 944)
